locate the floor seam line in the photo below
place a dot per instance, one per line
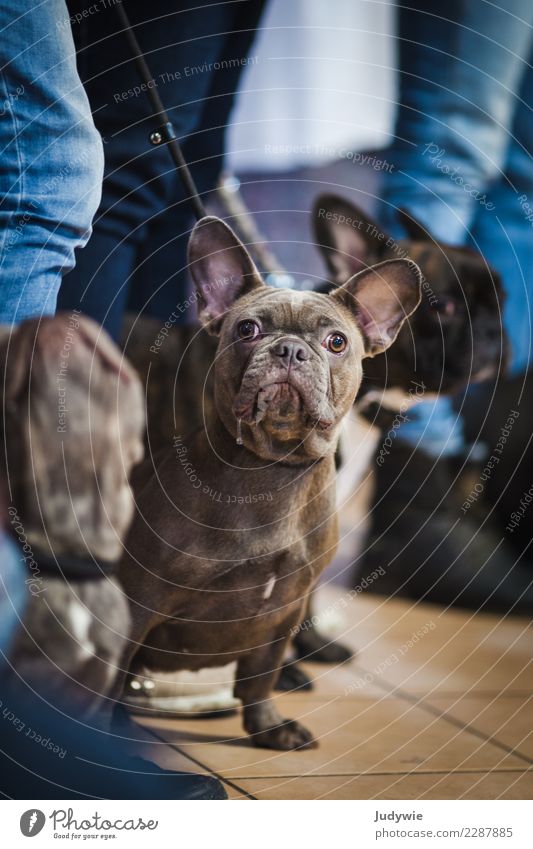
(457, 723)
(382, 774)
(199, 763)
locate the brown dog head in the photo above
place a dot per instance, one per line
(289, 364)
(456, 334)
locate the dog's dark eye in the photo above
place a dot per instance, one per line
(445, 305)
(335, 342)
(247, 329)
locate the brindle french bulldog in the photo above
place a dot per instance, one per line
(454, 337)
(238, 521)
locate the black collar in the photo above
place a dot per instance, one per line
(68, 566)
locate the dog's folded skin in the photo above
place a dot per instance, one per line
(238, 521)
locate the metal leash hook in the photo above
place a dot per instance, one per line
(165, 133)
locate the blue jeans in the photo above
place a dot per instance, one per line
(462, 161)
(52, 161)
(50, 186)
(137, 255)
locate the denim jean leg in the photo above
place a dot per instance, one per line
(505, 237)
(458, 78)
(52, 161)
(458, 74)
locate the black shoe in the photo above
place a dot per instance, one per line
(48, 754)
(430, 547)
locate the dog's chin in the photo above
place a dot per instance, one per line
(280, 403)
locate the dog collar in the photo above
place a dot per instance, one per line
(68, 566)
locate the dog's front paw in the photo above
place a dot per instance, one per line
(288, 735)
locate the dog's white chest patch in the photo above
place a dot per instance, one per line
(80, 620)
(269, 587)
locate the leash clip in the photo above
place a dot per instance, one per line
(163, 134)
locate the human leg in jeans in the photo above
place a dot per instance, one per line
(462, 87)
(52, 161)
(51, 184)
(52, 165)
(506, 237)
(460, 75)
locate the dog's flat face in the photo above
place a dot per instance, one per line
(455, 336)
(458, 328)
(289, 364)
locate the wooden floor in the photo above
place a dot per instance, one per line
(436, 705)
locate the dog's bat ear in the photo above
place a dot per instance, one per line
(414, 229)
(222, 270)
(347, 237)
(382, 297)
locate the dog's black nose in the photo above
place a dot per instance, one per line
(291, 351)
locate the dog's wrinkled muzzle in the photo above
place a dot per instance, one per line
(287, 383)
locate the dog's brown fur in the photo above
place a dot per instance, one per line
(229, 538)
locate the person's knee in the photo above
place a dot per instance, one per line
(76, 173)
(92, 175)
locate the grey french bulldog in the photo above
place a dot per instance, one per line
(238, 520)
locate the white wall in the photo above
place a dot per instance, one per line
(322, 82)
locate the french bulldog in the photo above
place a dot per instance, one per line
(455, 337)
(72, 428)
(236, 524)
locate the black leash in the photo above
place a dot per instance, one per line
(165, 133)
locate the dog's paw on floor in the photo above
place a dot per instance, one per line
(286, 736)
